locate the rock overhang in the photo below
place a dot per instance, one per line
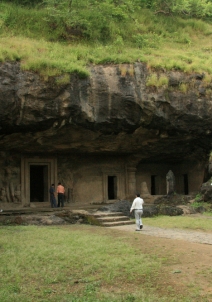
(107, 113)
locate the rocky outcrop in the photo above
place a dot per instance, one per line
(115, 110)
(206, 191)
(173, 199)
(56, 218)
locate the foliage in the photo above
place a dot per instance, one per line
(95, 19)
(183, 87)
(157, 80)
(69, 11)
(99, 20)
(68, 36)
(198, 198)
(25, 2)
(199, 203)
(192, 8)
(151, 40)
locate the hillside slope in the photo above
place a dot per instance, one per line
(50, 45)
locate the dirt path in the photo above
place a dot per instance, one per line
(186, 259)
(191, 236)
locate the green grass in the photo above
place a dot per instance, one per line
(82, 264)
(64, 264)
(181, 222)
(27, 35)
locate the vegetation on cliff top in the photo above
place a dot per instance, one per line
(53, 37)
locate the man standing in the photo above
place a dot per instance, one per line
(60, 193)
(138, 207)
(52, 196)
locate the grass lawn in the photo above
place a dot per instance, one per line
(82, 263)
(70, 264)
(202, 223)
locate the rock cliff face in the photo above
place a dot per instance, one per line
(114, 111)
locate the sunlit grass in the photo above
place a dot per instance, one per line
(48, 56)
(80, 263)
(51, 263)
(181, 222)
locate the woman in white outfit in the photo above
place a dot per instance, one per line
(137, 205)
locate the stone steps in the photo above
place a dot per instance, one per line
(107, 214)
(108, 219)
(117, 223)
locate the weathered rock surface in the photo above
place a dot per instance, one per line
(206, 191)
(173, 199)
(57, 218)
(112, 111)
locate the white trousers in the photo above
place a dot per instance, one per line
(138, 220)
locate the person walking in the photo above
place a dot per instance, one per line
(52, 196)
(137, 206)
(60, 194)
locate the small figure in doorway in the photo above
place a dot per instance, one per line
(137, 205)
(60, 194)
(52, 196)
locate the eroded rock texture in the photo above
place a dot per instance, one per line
(112, 111)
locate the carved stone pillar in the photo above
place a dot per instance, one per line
(144, 190)
(170, 182)
(131, 182)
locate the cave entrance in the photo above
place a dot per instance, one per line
(112, 187)
(38, 183)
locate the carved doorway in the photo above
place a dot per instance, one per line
(112, 187)
(185, 181)
(38, 183)
(37, 174)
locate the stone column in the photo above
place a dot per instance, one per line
(131, 182)
(170, 183)
(144, 189)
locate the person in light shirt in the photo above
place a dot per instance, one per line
(60, 194)
(137, 206)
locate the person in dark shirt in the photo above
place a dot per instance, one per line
(52, 196)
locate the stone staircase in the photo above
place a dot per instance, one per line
(108, 219)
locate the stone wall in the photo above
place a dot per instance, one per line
(192, 173)
(88, 178)
(10, 181)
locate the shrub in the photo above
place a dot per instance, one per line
(183, 87)
(157, 81)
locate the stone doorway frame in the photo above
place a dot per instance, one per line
(120, 184)
(26, 162)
